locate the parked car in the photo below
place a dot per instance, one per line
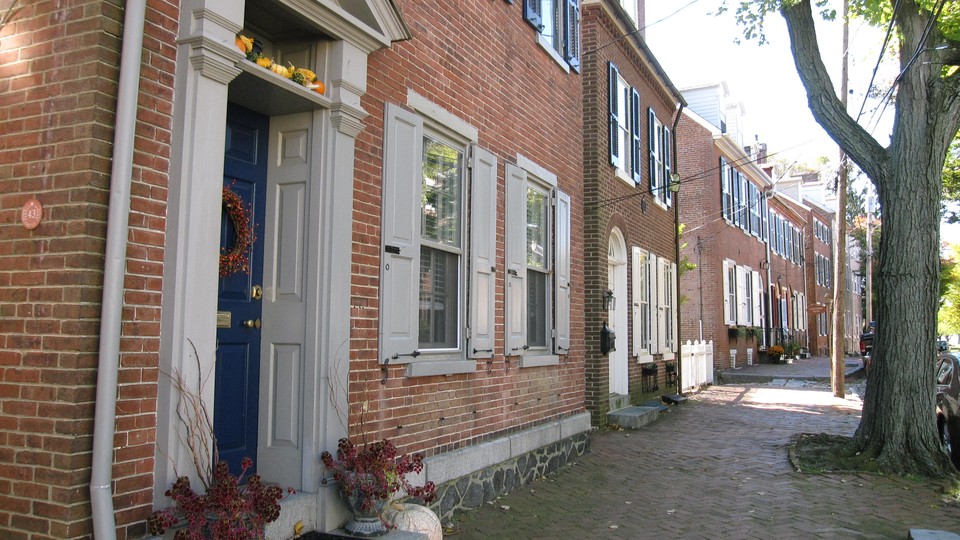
(943, 346)
(948, 405)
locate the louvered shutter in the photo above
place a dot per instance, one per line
(652, 169)
(724, 190)
(483, 251)
(757, 299)
(613, 102)
(726, 292)
(516, 260)
(562, 268)
(635, 152)
(533, 13)
(667, 169)
(400, 271)
(572, 35)
(741, 295)
(661, 333)
(635, 293)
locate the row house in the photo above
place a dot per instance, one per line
(189, 238)
(631, 306)
(820, 275)
(746, 240)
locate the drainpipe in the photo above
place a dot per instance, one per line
(676, 218)
(105, 417)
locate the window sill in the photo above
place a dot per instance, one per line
(539, 360)
(427, 368)
(623, 175)
(644, 358)
(669, 355)
(547, 46)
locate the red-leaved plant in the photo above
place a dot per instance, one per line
(375, 472)
(227, 510)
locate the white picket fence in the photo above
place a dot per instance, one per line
(696, 364)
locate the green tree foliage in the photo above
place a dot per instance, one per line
(897, 432)
(951, 183)
(948, 318)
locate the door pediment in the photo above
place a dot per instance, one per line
(369, 24)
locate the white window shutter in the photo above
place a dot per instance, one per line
(667, 166)
(635, 285)
(516, 260)
(757, 299)
(400, 271)
(741, 296)
(659, 267)
(483, 251)
(635, 144)
(726, 292)
(562, 266)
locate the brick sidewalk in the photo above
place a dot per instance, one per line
(717, 468)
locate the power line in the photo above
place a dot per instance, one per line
(638, 30)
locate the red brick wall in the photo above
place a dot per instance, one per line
(57, 96)
(609, 201)
(819, 345)
(479, 61)
(793, 276)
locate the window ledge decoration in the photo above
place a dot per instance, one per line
(236, 258)
(302, 76)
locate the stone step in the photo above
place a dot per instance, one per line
(619, 401)
(634, 417)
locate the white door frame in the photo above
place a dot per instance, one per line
(617, 317)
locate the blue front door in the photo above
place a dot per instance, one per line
(237, 375)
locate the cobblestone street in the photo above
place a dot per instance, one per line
(717, 467)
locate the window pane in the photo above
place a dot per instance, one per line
(551, 22)
(439, 301)
(536, 229)
(442, 182)
(536, 309)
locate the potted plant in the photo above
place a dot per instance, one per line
(775, 353)
(368, 477)
(228, 508)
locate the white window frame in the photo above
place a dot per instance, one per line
(402, 239)
(519, 179)
(562, 18)
(643, 304)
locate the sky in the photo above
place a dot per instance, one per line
(694, 46)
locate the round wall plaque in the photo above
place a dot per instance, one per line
(31, 213)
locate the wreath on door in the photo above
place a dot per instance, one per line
(236, 258)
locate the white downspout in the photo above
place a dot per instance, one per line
(105, 417)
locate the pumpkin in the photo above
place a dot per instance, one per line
(414, 518)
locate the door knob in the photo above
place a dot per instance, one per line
(256, 292)
(252, 323)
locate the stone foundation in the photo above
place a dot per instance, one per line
(473, 490)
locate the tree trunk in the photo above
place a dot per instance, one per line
(898, 427)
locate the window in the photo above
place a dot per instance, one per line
(660, 164)
(754, 210)
(742, 295)
(642, 285)
(537, 313)
(437, 304)
(558, 24)
(654, 291)
(726, 191)
(441, 213)
(624, 111)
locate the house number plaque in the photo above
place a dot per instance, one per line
(30, 214)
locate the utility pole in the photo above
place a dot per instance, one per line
(837, 372)
(869, 292)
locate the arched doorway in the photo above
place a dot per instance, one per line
(617, 315)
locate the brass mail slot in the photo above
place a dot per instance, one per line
(224, 319)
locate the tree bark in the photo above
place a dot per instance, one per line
(898, 427)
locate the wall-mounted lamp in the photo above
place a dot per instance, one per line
(674, 182)
(609, 301)
(764, 264)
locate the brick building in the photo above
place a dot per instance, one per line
(340, 313)
(819, 279)
(630, 112)
(725, 218)
(790, 298)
